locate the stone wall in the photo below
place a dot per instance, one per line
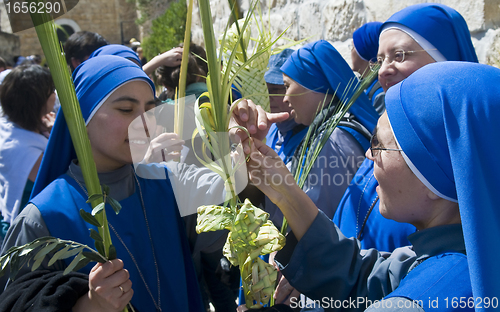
(9, 46)
(332, 20)
(336, 20)
(4, 19)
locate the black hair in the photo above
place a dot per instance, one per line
(3, 63)
(24, 94)
(81, 44)
(169, 76)
(200, 55)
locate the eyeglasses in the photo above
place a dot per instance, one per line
(374, 142)
(398, 56)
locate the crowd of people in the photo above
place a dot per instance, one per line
(397, 212)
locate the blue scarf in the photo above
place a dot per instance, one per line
(94, 80)
(446, 122)
(118, 50)
(441, 25)
(319, 67)
(365, 40)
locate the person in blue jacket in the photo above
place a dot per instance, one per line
(411, 38)
(363, 50)
(436, 164)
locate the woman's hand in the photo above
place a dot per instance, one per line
(165, 147)
(171, 58)
(110, 288)
(268, 172)
(48, 121)
(254, 118)
(285, 292)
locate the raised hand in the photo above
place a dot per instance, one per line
(245, 113)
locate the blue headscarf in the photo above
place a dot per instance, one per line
(95, 79)
(118, 50)
(319, 67)
(446, 122)
(365, 40)
(273, 75)
(440, 25)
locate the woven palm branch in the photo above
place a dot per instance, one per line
(251, 234)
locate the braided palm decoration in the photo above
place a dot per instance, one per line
(251, 234)
(248, 75)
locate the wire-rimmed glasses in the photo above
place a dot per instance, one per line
(373, 147)
(398, 56)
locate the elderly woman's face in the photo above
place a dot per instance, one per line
(304, 102)
(392, 73)
(108, 129)
(403, 197)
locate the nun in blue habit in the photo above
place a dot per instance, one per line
(283, 137)
(436, 161)
(148, 233)
(118, 50)
(444, 34)
(311, 74)
(364, 50)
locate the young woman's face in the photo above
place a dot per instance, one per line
(304, 102)
(403, 197)
(390, 41)
(108, 129)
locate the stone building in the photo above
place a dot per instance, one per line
(113, 19)
(332, 20)
(10, 45)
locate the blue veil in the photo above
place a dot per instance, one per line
(118, 50)
(365, 40)
(319, 67)
(439, 24)
(94, 80)
(449, 134)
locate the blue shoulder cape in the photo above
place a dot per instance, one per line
(60, 202)
(440, 283)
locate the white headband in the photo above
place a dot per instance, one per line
(424, 43)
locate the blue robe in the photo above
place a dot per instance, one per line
(289, 142)
(60, 203)
(439, 283)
